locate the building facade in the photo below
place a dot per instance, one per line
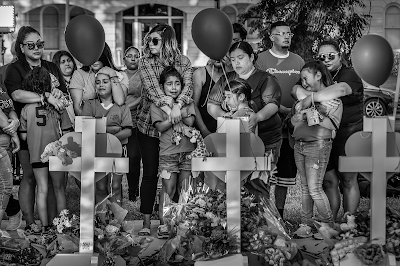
(125, 22)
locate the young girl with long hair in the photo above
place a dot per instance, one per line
(314, 130)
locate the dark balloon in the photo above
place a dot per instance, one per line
(85, 39)
(372, 59)
(212, 32)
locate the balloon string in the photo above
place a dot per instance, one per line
(227, 82)
(209, 87)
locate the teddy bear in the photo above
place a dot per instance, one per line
(61, 151)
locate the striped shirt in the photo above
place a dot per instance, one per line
(150, 69)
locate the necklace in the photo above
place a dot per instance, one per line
(337, 72)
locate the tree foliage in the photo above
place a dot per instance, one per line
(311, 21)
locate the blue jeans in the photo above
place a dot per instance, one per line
(311, 161)
(6, 171)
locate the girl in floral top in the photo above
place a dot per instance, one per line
(160, 50)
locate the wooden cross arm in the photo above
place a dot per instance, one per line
(364, 164)
(116, 165)
(231, 164)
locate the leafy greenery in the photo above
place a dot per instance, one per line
(311, 22)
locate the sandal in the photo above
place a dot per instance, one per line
(162, 231)
(144, 232)
(33, 229)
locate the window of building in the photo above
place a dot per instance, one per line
(50, 28)
(139, 20)
(76, 11)
(392, 26)
(231, 12)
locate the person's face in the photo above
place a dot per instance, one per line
(309, 80)
(131, 59)
(155, 43)
(236, 38)
(103, 84)
(241, 62)
(281, 37)
(66, 65)
(329, 56)
(172, 87)
(231, 100)
(32, 47)
(96, 66)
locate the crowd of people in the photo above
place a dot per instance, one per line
(302, 112)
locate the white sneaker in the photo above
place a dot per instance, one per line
(14, 222)
(303, 231)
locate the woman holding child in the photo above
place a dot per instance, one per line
(29, 48)
(265, 98)
(347, 86)
(160, 51)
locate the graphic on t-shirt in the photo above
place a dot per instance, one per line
(286, 71)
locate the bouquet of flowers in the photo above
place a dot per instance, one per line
(198, 223)
(111, 238)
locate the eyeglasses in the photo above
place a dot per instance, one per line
(237, 40)
(130, 56)
(31, 45)
(154, 40)
(284, 34)
(330, 56)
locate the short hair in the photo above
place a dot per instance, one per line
(278, 24)
(37, 80)
(57, 57)
(170, 71)
(330, 42)
(130, 48)
(238, 28)
(239, 86)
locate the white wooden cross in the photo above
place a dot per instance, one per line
(88, 165)
(378, 164)
(233, 164)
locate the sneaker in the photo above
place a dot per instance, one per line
(14, 222)
(303, 231)
(162, 231)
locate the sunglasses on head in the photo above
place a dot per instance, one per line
(31, 45)
(154, 40)
(330, 56)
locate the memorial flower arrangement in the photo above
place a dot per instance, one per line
(355, 239)
(199, 230)
(113, 237)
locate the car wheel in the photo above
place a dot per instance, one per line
(374, 107)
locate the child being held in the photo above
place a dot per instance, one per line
(119, 124)
(41, 124)
(237, 99)
(174, 166)
(314, 130)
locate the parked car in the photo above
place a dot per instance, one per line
(378, 101)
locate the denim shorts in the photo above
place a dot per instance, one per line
(174, 163)
(339, 143)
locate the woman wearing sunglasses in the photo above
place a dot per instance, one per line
(131, 60)
(160, 51)
(349, 88)
(29, 49)
(82, 86)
